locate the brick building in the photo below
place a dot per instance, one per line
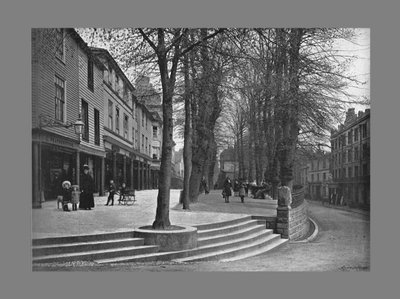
(350, 165)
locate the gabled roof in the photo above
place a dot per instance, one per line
(100, 52)
(83, 45)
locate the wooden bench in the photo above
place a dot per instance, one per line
(129, 198)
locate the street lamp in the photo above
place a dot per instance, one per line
(48, 122)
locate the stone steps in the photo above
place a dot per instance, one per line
(228, 240)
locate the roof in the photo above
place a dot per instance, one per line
(100, 52)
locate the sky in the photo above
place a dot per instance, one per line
(360, 67)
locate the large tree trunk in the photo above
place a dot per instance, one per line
(168, 84)
(187, 148)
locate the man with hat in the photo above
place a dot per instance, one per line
(66, 193)
(87, 188)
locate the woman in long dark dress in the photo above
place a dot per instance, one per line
(86, 201)
(227, 189)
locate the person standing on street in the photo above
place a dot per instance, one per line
(111, 190)
(242, 192)
(86, 200)
(227, 189)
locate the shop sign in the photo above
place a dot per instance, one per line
(57, 141)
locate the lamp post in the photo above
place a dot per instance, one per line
(47, 122)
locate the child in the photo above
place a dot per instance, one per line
(111, 189)
(66, 193)
(122, 191)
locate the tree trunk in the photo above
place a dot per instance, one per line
(187, 148)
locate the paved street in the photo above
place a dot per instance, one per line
(50, 221)
(342, 244)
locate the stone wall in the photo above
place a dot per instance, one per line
(292, 222)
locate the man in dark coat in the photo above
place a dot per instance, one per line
(86, 201)
(111, 190)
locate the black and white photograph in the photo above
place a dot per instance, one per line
(200, 149)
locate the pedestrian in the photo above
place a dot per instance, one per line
(111, 190)
(203, 186)
(122, 192)
(86, 199)
(227, 189)
(66, 194)
(242, 192)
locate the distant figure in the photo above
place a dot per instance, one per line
(226, 191)
(111, 190)
(122, 192)
(203, 186)
(66, 193)
(242, 192)
(86, 200)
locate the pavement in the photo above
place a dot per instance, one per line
(52, 222)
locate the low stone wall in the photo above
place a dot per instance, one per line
(292, 215)
(299, 223)
(181, 238)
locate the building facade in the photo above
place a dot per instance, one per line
(62, 92)
(319, 176)
(350, 165)
(121, 139)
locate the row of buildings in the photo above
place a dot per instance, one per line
(345, 170)
(122, 135)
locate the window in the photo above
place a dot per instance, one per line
(142, 143)
(324, 164)
(154, 131)
(125, 126)
(344, 139)
(324, 176)
(146, 143)
(312, 177)
(117, 120)
(349, 156)
(110, 76)
(365, 150)
(356, 153)
(96, 127)
(344, 157)
(59, 98)
(356, 134)
(356, 171)
(364, 130)
(317, 177)
(110, 115)
(90, 79)
(350, 136)
(344, 172)
(60, 43)
(350, 172)
(85, 119)
(142, 118)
